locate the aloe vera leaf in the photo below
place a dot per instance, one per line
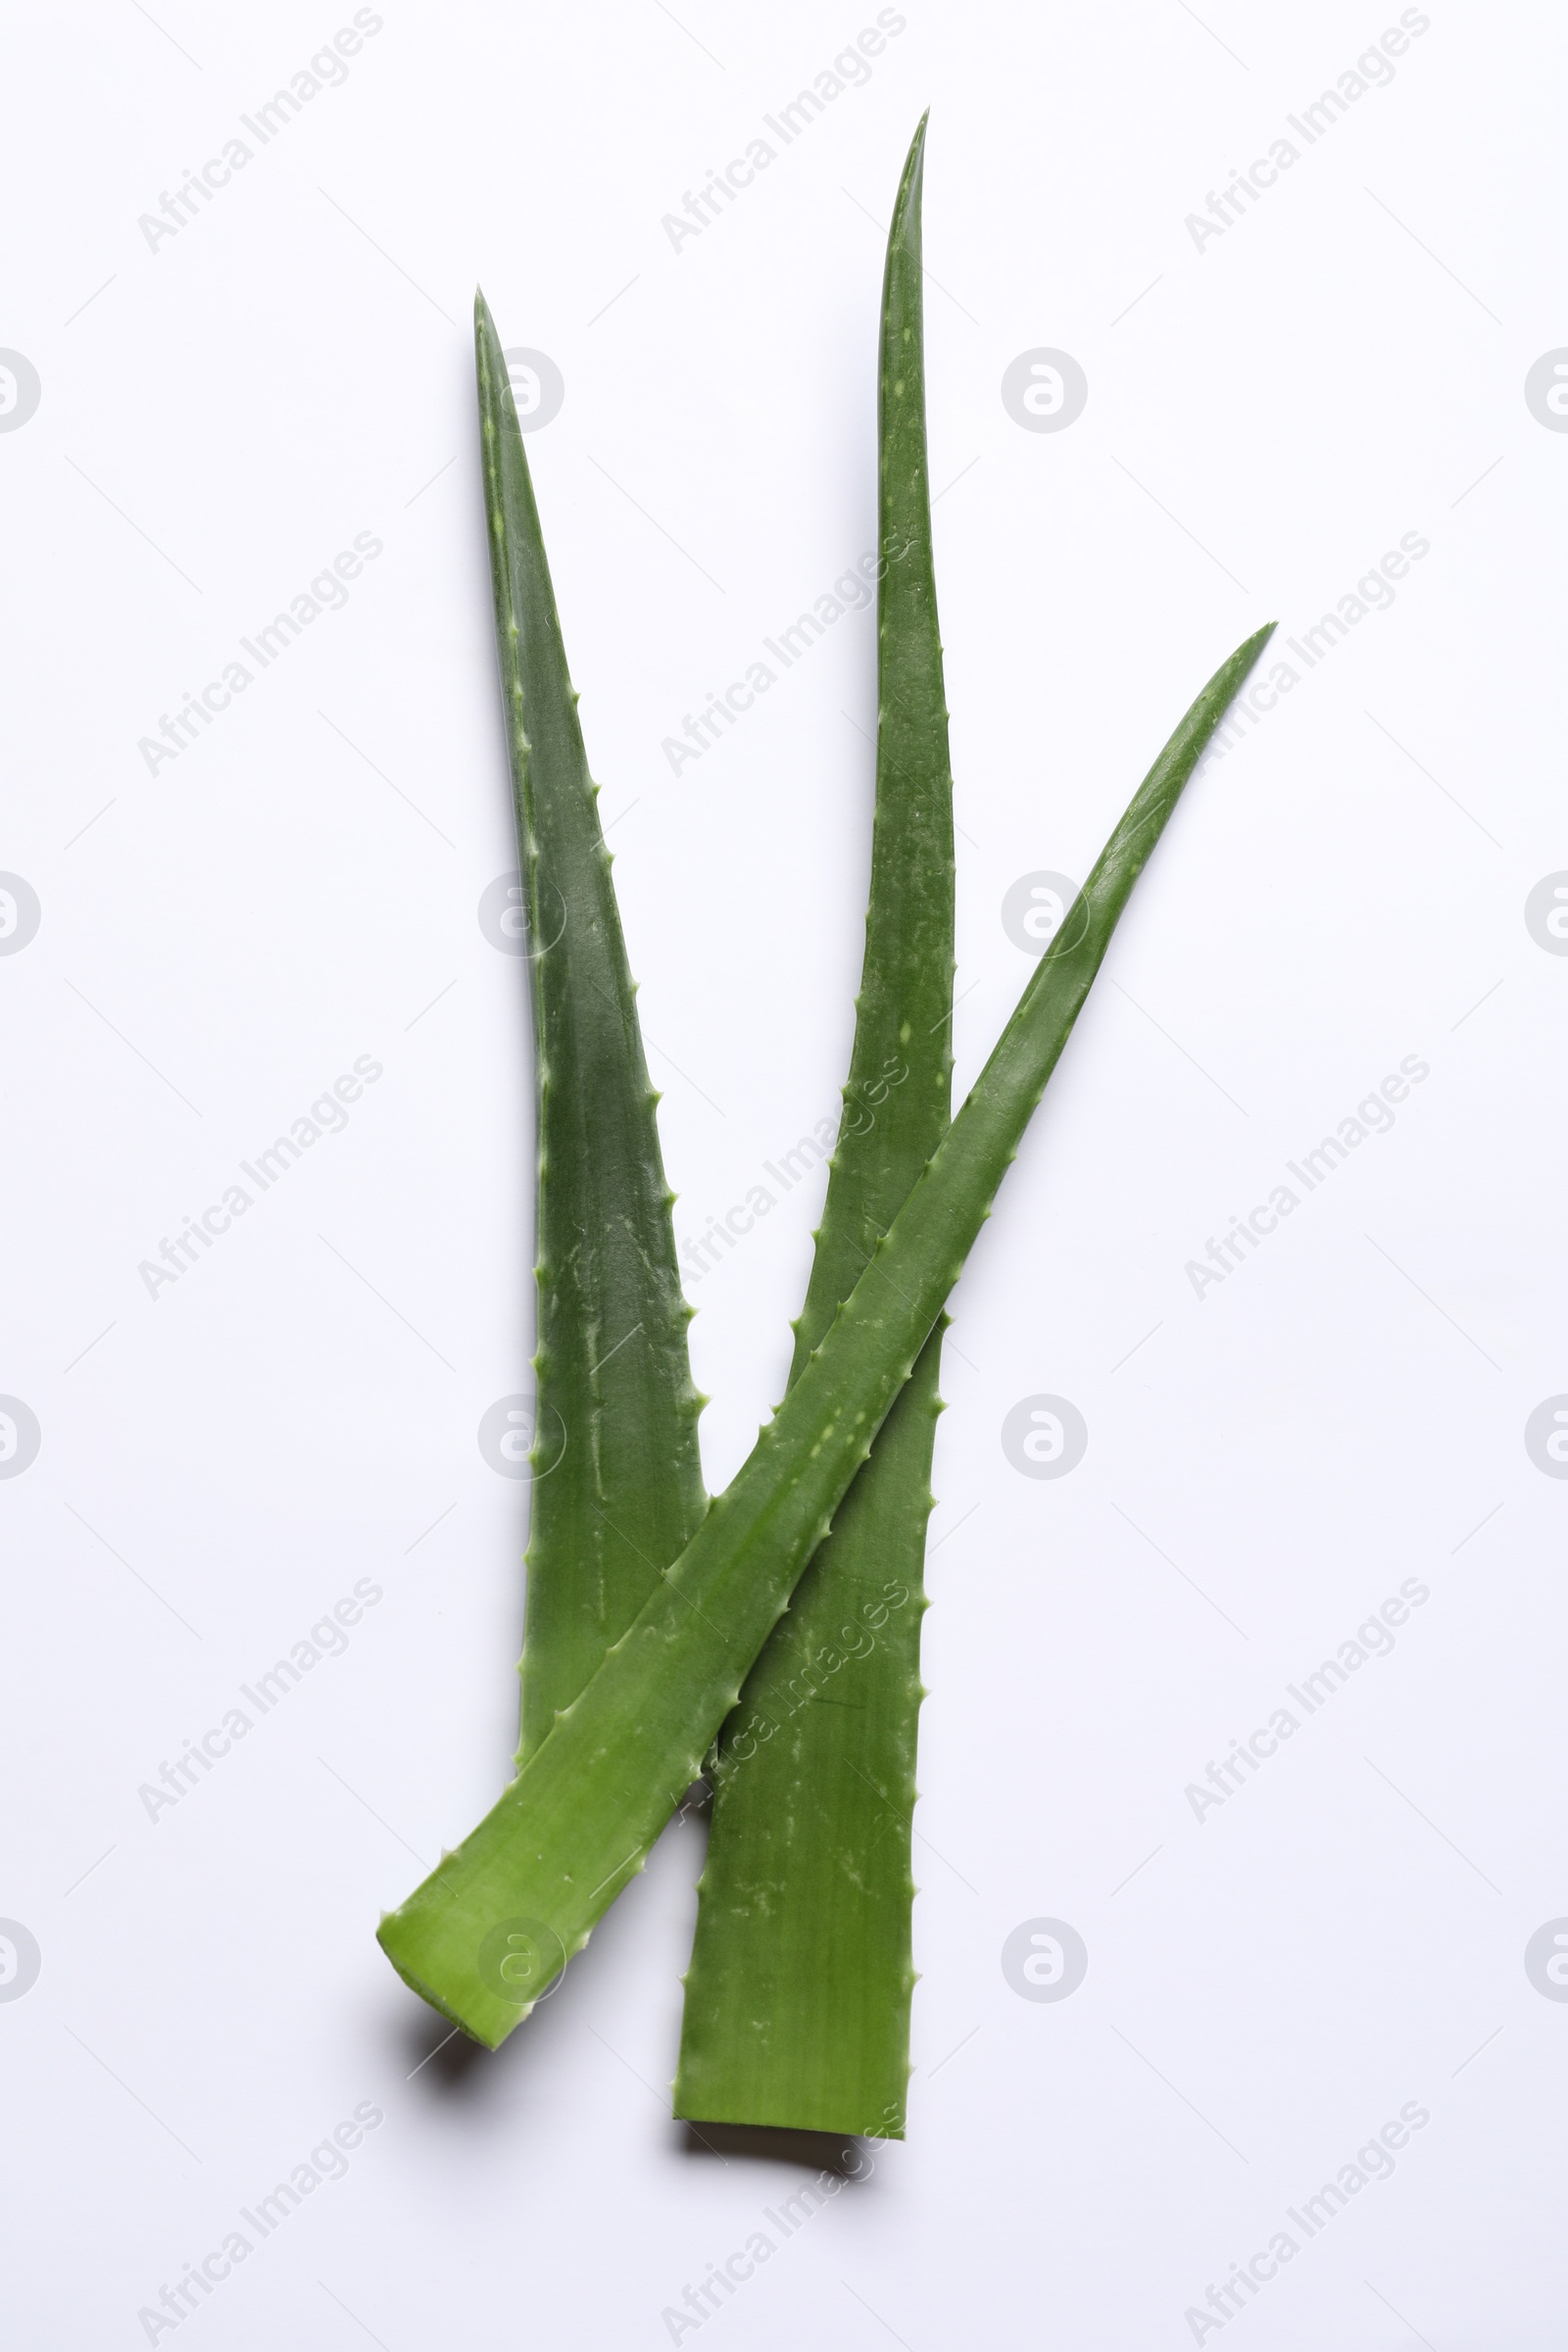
(495, 1923)
(797, 2008)
(618, 1486)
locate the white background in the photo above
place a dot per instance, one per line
(299, 888)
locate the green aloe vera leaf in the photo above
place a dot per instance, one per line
(797, 2007)
(618, 1486)
(495, 1923)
